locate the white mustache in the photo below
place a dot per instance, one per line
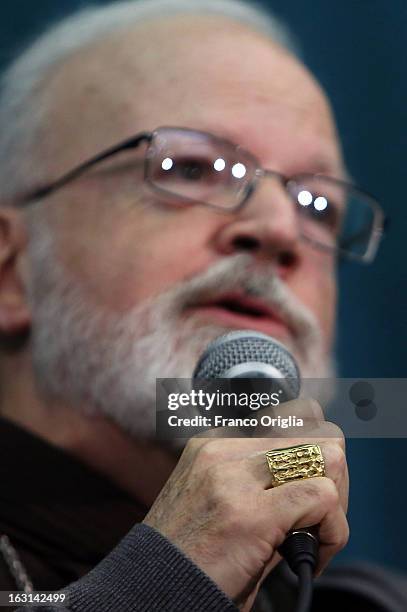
(241, 273)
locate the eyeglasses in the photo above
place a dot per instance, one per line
(186, 166)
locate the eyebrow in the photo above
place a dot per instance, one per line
(336, 169)
(331, 166)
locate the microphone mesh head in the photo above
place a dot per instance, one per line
(239, 347)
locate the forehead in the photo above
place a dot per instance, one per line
(206, 73)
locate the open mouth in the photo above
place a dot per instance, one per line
(242, 306)
(240, 311)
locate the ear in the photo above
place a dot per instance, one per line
(15, 315)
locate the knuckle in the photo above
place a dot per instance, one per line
(225, 484)
(341, 537)
(209, 452)
(224, 501)
(336, 432)
(329, 493)
(295, 494)
(215, 479)
(314, 408)
(193, 445)
(344, 537)
(230, 515)
(321, 490)
(335, 459)
(215, 496)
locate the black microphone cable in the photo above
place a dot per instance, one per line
(304, 600)
(300, 550)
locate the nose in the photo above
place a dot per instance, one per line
(266, 226)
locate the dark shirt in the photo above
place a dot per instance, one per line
(72, 526)
(60, 515)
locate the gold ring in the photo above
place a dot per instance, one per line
(295, 463)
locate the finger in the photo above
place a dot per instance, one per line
(252, 451)
(227, 447)
(334, 460)
(309, 434)
(249, 455)
(297, 418)
(303, 504)
(333, 535)
(301, 406)
(307, 410)
(335, 467)
(287, 427)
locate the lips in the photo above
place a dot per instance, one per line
(239, 311)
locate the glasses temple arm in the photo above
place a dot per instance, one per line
(46, 190)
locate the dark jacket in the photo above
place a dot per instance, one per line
(72, 526)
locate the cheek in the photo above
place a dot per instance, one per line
(318, 291)
(138, 253)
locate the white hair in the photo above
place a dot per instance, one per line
(23, 108)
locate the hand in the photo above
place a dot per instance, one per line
(219, 509)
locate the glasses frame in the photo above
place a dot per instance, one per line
(380, 221)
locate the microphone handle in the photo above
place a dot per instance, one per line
(301, 546)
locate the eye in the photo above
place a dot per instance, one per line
(319, 204)
(325, 211)
(189, 169)
(193, 169)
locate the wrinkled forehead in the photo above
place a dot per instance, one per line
(204, 72)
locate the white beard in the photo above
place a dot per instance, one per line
(105, 363)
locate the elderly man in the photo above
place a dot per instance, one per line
(125, 248)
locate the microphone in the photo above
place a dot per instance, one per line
(250, 354)
(254, 355)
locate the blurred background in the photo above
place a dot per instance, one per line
(357, 49)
